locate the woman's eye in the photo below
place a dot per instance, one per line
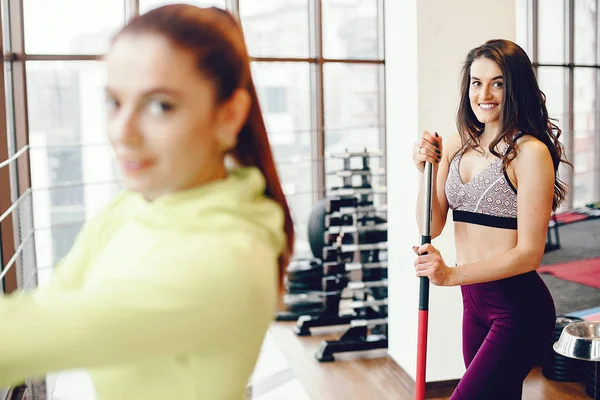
(158, 107)
(476, 83)
(111, 103)
(498, 84)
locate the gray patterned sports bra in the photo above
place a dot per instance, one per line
(489, 199)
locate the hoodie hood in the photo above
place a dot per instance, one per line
(236, 202)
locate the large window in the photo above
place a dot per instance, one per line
(566, 53)
(318, 66)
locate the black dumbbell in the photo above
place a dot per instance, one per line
(338, 220)
(334, 283)
(336, 203)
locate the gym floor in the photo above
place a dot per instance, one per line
(288, 370)
(579, 241)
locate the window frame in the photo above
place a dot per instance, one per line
(569, 67)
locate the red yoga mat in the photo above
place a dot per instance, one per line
(570, 216)
(586, 272)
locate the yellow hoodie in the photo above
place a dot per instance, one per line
(163, 300)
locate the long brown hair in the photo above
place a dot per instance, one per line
(523, 109)
(216, 38)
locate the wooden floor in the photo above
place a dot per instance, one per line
(374, 375)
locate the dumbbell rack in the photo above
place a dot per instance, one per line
(354, 262)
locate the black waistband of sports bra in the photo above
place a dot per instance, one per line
(484, 219)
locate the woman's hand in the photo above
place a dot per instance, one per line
(427, 149)
(431, 265)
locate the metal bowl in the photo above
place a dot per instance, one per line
(580, 340)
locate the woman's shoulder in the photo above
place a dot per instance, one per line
(531, 151)
(528, 143)
(454, 140)
(453, 145)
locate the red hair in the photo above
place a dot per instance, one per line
(216, 38)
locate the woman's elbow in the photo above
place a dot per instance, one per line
(437, 231)
(437, 226)
(532, 257)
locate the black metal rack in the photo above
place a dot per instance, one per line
(354, 261)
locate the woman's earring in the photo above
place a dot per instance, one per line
(230, 162)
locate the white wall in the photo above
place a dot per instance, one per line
(426, 42)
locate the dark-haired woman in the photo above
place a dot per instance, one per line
(498, 175)
(168, 293)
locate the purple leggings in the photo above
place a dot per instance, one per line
(507, 326)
